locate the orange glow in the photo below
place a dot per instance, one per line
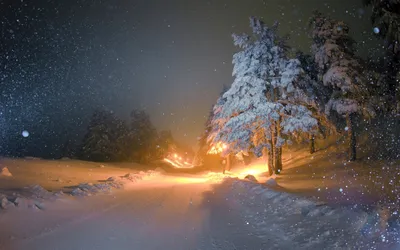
(178, 164)
(187, 180)
(175, 164)
(255, 170)
(217, 148)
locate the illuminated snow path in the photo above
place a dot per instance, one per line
(183, 212)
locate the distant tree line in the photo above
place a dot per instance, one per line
(109, 138)
(278, 96)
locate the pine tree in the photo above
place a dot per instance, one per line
(340, 71)
(121, 140)
(386, 21)
(314, 96)
(100, 141)
(143, 137)
(204, 144)
(255, 112)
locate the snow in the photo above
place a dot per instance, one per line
(264, 76)
(288, 219)
(250, 178)
(5, 172)
(61, 174)
(5, 203)
(25, 133)
(204, 211)
(341, 72)
(36, 182)
(271, 182)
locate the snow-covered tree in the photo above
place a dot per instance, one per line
(340, 71)
(386, 20)
(314, 96)
(203, 140)
(255, 112)
(386, 25)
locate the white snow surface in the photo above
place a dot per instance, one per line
(208, 212)
(5, 172)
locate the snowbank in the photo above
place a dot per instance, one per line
(89, 189)
(113, 182)
(251, 178)
(218, 177)
(35, 197)
(271, 182)
(30, 197)
(5, 172)
(309, 224)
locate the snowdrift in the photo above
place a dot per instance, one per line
(35, 196)
(309, 224)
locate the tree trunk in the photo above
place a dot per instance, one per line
(352, 137)
(228, 162)
(271, 160)
(277, 148)
(271, 154)
(279, 165)
(280, 160)
(312, 144)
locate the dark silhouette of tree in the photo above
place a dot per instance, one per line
(104, 140)
(143, 136)
(385, 19)
(341, 71)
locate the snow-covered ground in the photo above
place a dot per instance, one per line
(31, 184)
(286, 220)
(55, 175)
(299, 209)
(328, 176)
(198, 213)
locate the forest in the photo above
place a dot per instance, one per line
(281, 96)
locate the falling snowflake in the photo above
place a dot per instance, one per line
(25, 133)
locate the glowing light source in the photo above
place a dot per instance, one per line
(178, 164)
(255, 170)
(173, 163)
(217, 148)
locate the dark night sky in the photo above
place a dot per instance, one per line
(61, 59)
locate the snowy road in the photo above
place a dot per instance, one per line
(177, 212)
(151, 216)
